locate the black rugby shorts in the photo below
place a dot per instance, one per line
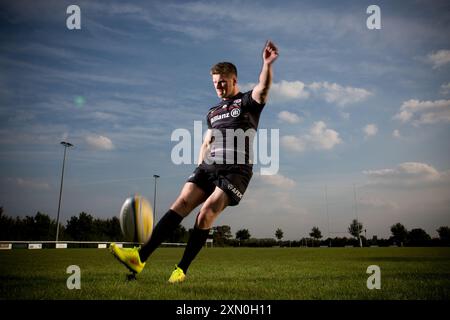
(233, 179)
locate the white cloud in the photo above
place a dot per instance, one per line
(323, 138)
(424, 112)
(396, 134)
(319, 137)
(283, 90)
(99, 142)
(342, 96)
(278, 180)
(445, 89)
(28, 184)
(370, 130)
(403, 116)
(439, 58)
(293, 143)
(330, 92)
(434, 117)
(406, 173)
(104, 116)
(286, 90)
(289, 117)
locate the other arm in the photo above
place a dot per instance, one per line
(261, 90)
(206, 145)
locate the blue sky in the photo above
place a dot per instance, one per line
(363, 115)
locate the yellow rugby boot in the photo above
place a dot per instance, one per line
(177, 275)
(129, 257)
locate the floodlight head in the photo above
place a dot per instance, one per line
(66, 144)
(155, 176)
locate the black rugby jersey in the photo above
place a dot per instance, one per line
(234, 123)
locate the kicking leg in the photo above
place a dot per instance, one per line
(190, 197)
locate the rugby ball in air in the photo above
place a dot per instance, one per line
(136, 219)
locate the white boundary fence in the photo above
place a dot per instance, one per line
(9, 245)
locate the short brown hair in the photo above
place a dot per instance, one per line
(224, 68)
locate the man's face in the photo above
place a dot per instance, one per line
(225, 85)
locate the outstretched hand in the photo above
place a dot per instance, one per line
(270, 52)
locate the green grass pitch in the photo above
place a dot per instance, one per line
(231, 273)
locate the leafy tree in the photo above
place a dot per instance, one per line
(39, 227)
(7, 227)
(34, 228)
(81, 228)
(106, 230)
(179, 234)
(243, 235)
(355, 230)
(113, 231)
(315, 233)
(221, 234)
(418, 237)
(279, 234)
(399, 233)
(444, 234)
(43, 226)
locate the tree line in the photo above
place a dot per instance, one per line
(41, 227)
(400, 237)
(85, 227)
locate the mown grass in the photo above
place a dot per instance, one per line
(232, 274)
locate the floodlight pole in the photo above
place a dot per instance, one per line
(154, 199)
(66, 145)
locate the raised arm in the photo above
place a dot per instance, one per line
(261, 90)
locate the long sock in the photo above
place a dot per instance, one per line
(193, 247)
(162, 231)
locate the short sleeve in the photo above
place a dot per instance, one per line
(251, 105)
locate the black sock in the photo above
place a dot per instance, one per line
(193, 247)
(161, 232)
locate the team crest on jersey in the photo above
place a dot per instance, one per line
(235, 112)
(236, 103)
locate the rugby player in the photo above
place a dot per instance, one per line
(224, 168)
